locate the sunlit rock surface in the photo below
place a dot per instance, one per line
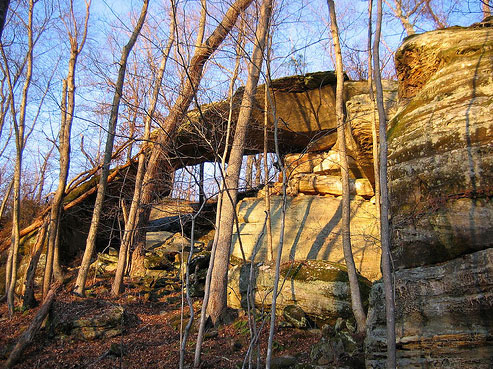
(312, 231)
(440, 147)
(305, 108)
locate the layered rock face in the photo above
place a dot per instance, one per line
(440, 180)
(444, 315)
(440, 147)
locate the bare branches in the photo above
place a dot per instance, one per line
(91, 238)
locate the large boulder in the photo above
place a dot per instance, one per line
(161, 256)
(320, 288)
(312, 231)
(89, 323)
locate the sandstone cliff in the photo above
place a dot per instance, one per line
(440, 179)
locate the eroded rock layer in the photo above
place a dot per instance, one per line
(319, 288)
(305, 108)
(444, 316)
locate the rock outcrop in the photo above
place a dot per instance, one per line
(440, 151)
(312, 228)
(444, 315)
(320, 288)
(440, 180)
(88, 325)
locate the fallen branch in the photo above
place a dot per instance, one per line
(38, 222)
(27, 337)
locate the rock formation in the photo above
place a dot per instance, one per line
(320, 288)
(312, 228)
(305, 107)
(440, 179)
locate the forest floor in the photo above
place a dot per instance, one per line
(150, 339)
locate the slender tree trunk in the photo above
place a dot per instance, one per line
(403, 18)
(356, 302)
(29, 300)
(438, 22)
(201, 183)
(374, 123)
(67, 117)
(270, 342)
(131, 221)
(486, 7)
(174, 119)
(98, 205)
(57, 269)
(42, 179)
(203, 316)
(55, 214)
(258, 171)
(219, 279)
(203, 18)
(6, 198)
(384, 213)
(19, 126)
(249, 172)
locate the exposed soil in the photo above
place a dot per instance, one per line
(151, 337)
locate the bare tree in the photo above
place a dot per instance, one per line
(486, 7)
(19, 126)
(29, 300)
(177, 113)
(217, 300)
(249, 172)
(404, 16)
(67, 116)
(258, 170)
(42, 174)
(374, 123)
(268, 225)
(277, 276)
(103, 182)
(356, 302)
(6, 197)
(384, 210)
(410, 12)
(130, 224)
(200, 336)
